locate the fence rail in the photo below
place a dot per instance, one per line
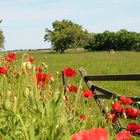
(112, 77)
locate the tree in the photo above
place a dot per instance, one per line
(105, 40)
(90, 43)
(121, 40)
(66, 34)
(128, 40)
(1, 38)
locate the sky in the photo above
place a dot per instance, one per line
(24, 21)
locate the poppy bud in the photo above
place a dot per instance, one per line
(9, 93)
(26, 92)
(24, 65)
(29, 65)
(57, 72)
(124, 115)
(7, 104)
(43, 64)
(62, 121)
(52, 79)
(57, 126)
(46, 96)
(30, 59)
(46, 67)
(116, 99)
(106, 109)
(15, 104)
(32, 100)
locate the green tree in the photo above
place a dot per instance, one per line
(128, 40)
(105, 40)
(121, 40)
(90, 42)
(66, 34)
(1, 38)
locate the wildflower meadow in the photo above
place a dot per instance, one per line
(35, 105)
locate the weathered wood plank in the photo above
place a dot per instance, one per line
(122, 77)
(98, 88)
(105, 91)
(64, 79)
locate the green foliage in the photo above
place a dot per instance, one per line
(128, 40)
(105, 41)
(1, 38)
(121, 40)
(90, 42)
(66, 34)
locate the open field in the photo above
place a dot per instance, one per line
(97, 63)
(33, 105)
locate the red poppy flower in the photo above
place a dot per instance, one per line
(97, 133)
(3, 70)
(38, 69)
(31, 59)
(111, 116)
(72, 88)
(11, 56)
(88, 93)
(41, 77)
(81, 135)
(44, 78)
(117, 107)
(123, 135)
(14, 71)
(133, 128)
(69, 72)
(83, 116)
(73, 110)
(125, 100)
(114, 119)
(132, 112)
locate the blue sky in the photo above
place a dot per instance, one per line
(24, 21)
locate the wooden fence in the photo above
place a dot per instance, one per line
(105, 93)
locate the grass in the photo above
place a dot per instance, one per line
(28, 113)
(97, 63)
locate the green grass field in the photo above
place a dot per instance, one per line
(97, 63)
(33, 107)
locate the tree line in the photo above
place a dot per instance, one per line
(66, 34)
